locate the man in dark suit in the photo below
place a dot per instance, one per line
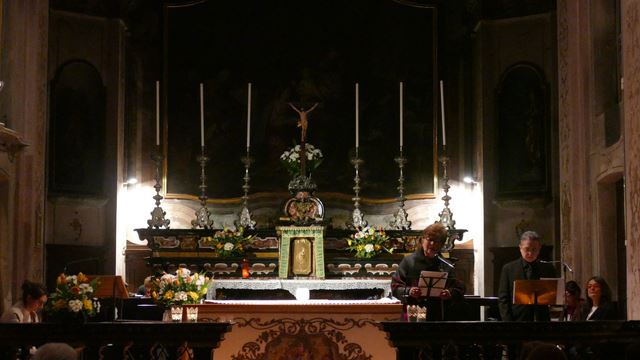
(528, 267)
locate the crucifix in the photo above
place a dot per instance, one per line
(303, 124)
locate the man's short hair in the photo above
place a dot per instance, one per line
(530, 235)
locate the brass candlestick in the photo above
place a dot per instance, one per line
(157, 214)
(400, 219)
(357, 216)
(245, 215)
(203, 215)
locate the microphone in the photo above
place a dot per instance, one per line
(445, 261)
(558, 262)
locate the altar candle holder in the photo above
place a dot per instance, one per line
(357, 216)
(446, 215)
(400, 219)
(203, 215)
(158, 220)
(245, 215)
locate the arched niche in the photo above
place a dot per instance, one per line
(77, 130)
(522, 136)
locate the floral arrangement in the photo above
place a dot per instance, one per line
(227, 242)
(369, 242)
(180, 289)
(73, 297)
(291, 159)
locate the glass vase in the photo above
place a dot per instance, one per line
(176, 313)
(192, 313)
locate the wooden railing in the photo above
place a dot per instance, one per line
(493, 340)
(117, 340)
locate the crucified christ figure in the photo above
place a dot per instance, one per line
(303, 122)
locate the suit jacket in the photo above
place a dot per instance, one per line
(605, 311)
(515, 270)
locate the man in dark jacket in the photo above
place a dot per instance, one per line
(528, 267)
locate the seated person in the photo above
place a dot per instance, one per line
(427, 257)
(34, 296)
(573, 302)
(527, 267)
(145, 289)
(599, 305)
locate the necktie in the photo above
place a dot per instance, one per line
(528, 271)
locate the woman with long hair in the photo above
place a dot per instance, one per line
(598, 304)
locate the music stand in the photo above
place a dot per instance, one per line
(110, 287)
(431, 284)
(538, 292)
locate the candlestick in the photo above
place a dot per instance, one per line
(357, 116)
(201, 115)
(401, 218)
(157, 112)
(203, 215)
(444, 136)
(446, 215)
(248, 115)
(158, 220)
(245, 220)
(357, 216)
(401, 114)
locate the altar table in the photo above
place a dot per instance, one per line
(295, 329)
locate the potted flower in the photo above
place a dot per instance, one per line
(174, 291)
(73, 299)
(291, 159)
(227, 243)
(368, 242)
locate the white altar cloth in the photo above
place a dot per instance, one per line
(292, 285)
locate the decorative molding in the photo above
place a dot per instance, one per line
(303, 336)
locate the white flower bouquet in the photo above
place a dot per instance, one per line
(291, 159)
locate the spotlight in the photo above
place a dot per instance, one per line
(131, 181)
(469, 180)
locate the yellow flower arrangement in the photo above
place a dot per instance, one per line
(227, 242)
(73, 297)
(368, 242)
(182, 288)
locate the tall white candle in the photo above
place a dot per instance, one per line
(401, 114)
(444, 134)
(357, 115)
(201, 115)
(248, 115)
(158, 113)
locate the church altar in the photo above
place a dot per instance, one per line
(297, 329)
(172, 247)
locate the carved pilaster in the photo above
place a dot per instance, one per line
(631, 71)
